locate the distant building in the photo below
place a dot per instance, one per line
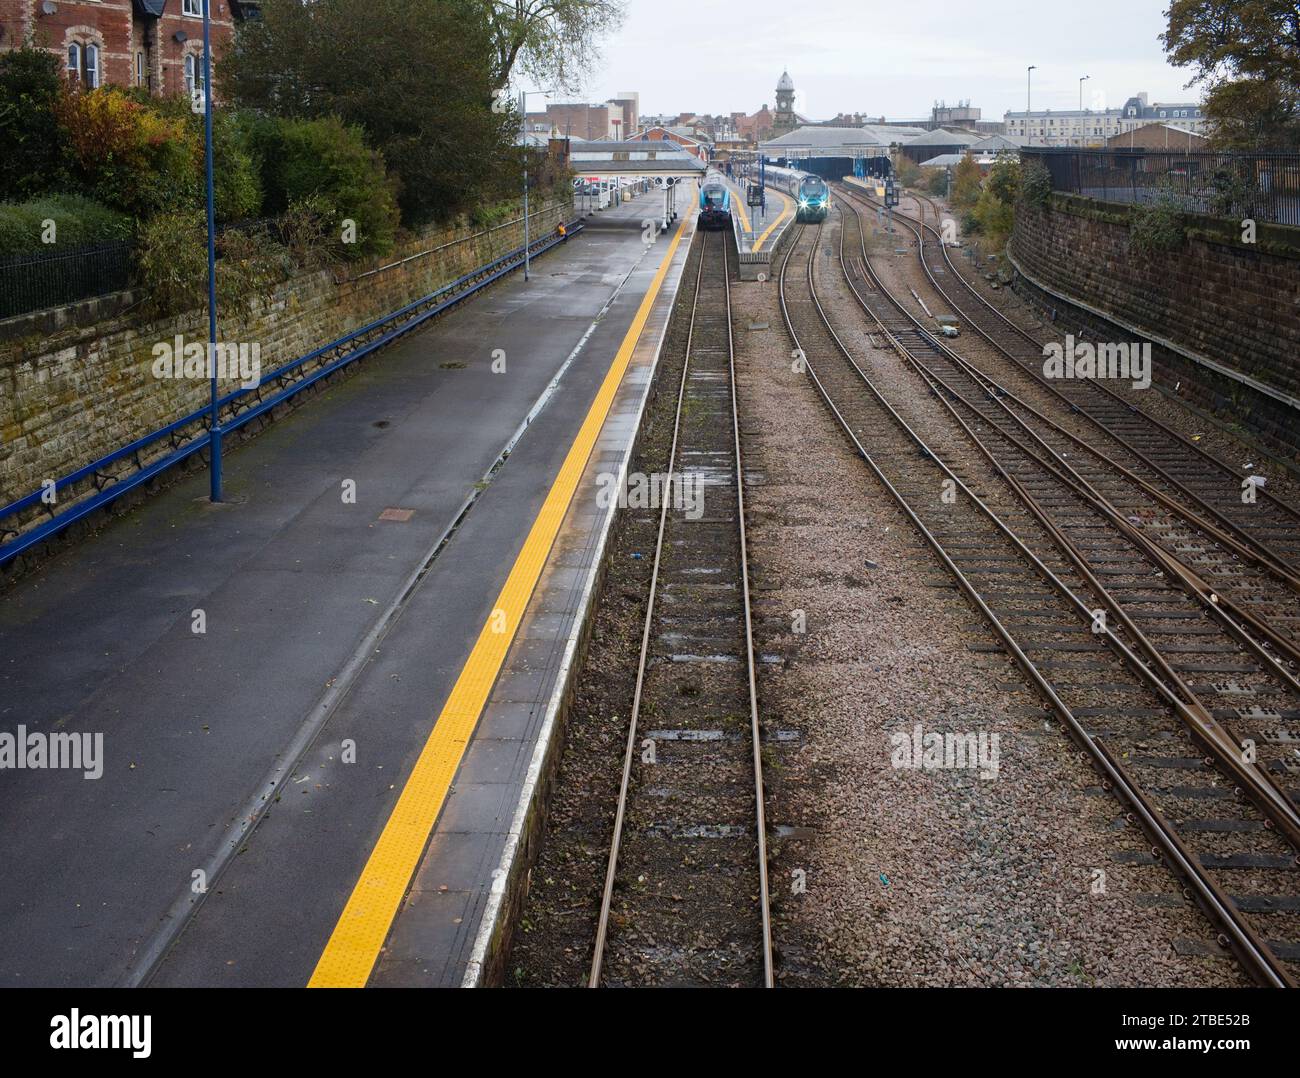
(958, 115)
(1092, 127)
(785, 119)
(156, 45)
(612, 119)
(628, 103)
(688, 138)
(928, 144)
(814, 140)
(757, 127)
(1158, 137)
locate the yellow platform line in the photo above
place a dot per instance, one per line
(785, 212)
(740, 209)
(353, 947)
(744, 217)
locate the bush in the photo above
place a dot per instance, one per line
(237, 171)
(993, 219)
(935, 182)
(1157, 226)
(172, 260)
(77, 221)
(31, 89)
(908, 173)
(1035, 185)
(249, 262)
(966, 184)
(326, 165)
(130, 156)
(306, 229)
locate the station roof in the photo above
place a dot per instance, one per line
(997, 143)
(818, 141)
(944, 160)
(652, 157)
(942, 137)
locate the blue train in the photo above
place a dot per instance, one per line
(812, 193)
(715, 202)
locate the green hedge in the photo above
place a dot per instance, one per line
(77, 221)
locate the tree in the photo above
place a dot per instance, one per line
(550, 41)
(31, 89)
(1248, 57)
(417, 76)
(965, 185)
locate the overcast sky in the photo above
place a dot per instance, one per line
(891, 58)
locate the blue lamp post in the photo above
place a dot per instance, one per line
(214, 428)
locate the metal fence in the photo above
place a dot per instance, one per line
(1261, 186)
(36, 281)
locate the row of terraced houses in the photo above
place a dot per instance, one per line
(153, 44)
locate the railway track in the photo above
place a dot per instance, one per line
(685, 897)
(1121, 655)
(1109, 512)
(1154, 452)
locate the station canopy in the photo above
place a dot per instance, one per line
(635, 157)
(870, 140)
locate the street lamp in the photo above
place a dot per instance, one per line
(1029, 87)
(1081, 82)
(523, 121)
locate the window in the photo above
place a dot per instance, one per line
(193, 8)
(194, 72)
(140, 79)
(83, 64)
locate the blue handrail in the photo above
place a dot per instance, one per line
(494, 270)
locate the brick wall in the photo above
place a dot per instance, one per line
(1215, 298)
(121, 32)
(76, 383)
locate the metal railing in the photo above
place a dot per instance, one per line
(1261, 186)
(34, 282)
(136, 463)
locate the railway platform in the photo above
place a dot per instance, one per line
(759, 231)
(287, 681)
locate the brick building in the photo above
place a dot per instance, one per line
(155, 44)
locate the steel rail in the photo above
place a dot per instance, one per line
(611, 869)
(1234, 538)
(1217, 739)
(1283, 567)
(1220, 606)
(1237, 933)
